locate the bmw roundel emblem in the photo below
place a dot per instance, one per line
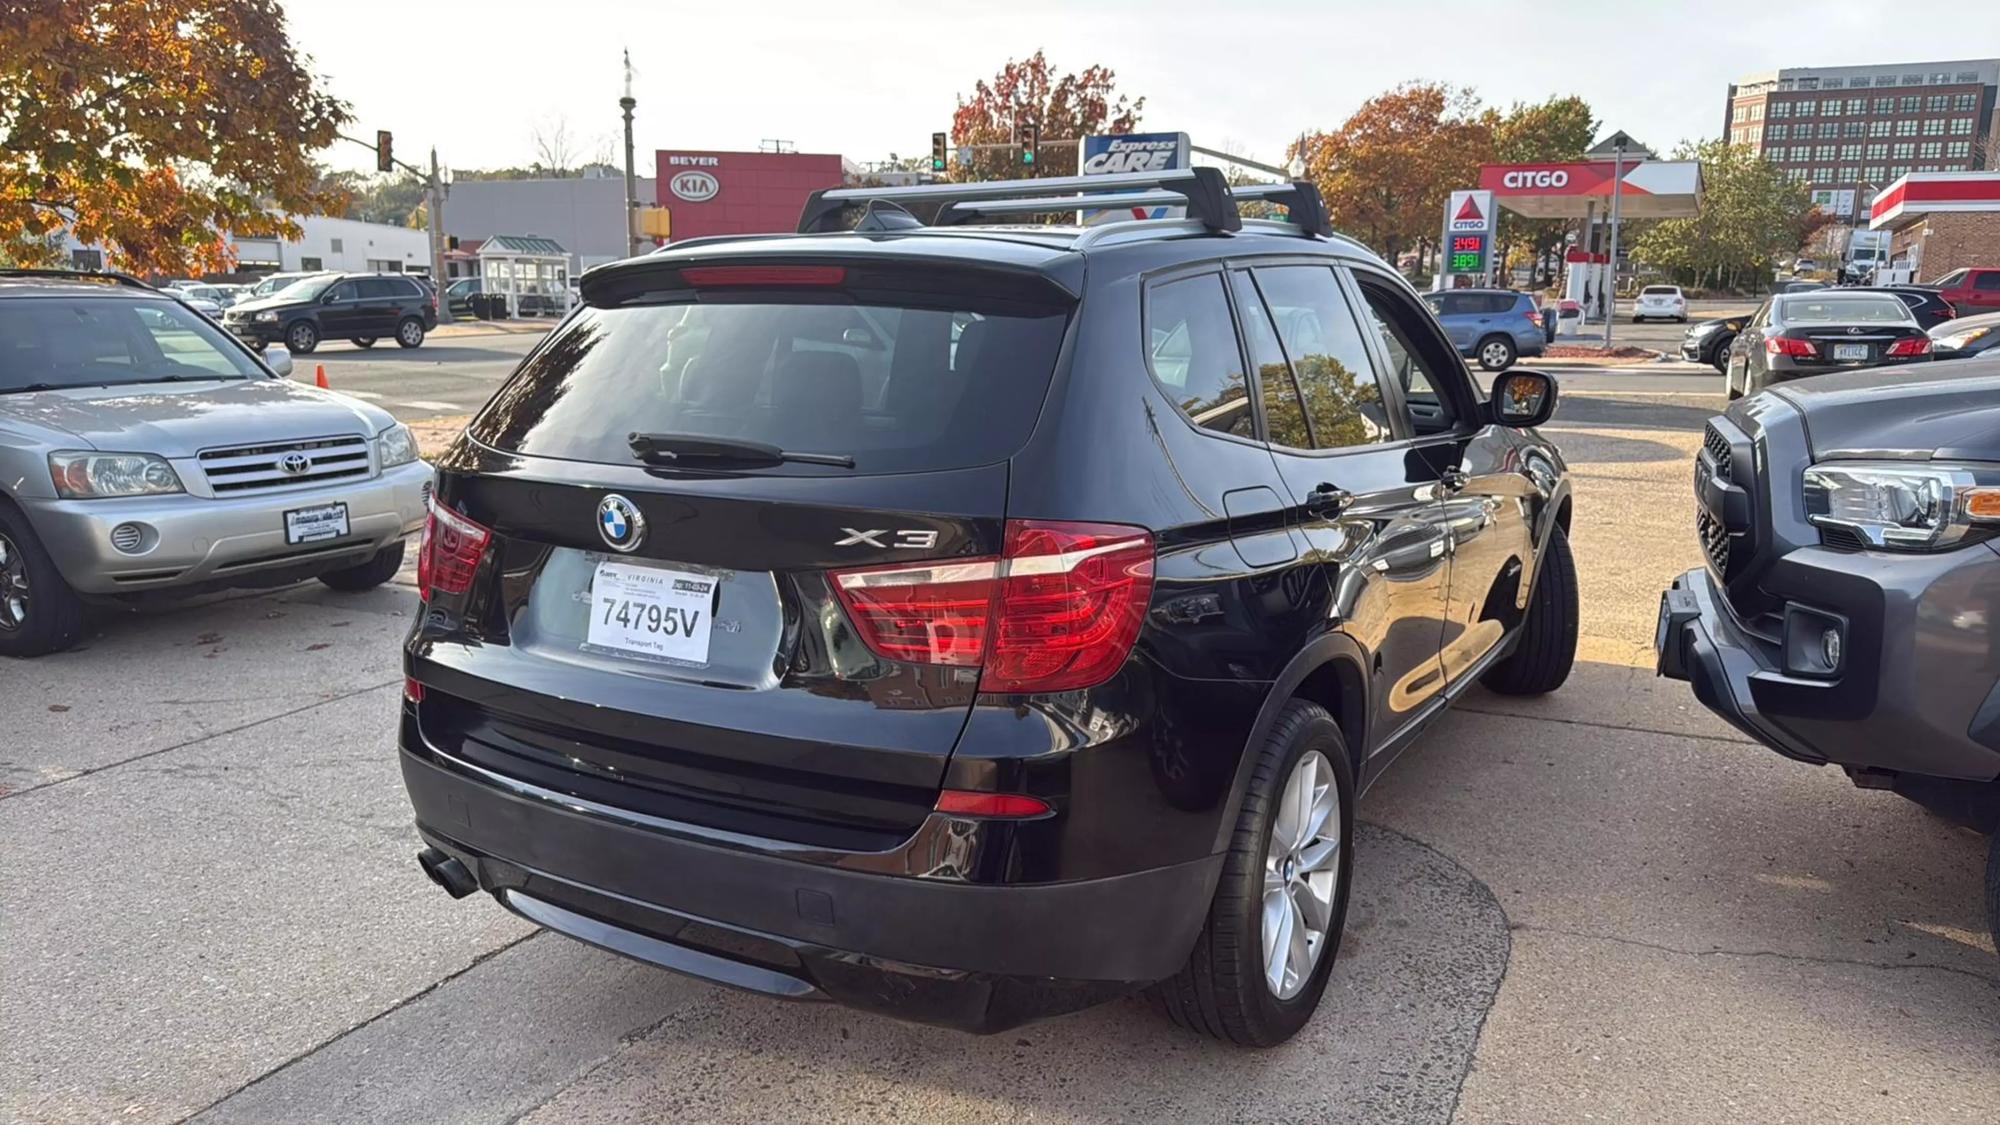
(619, 521)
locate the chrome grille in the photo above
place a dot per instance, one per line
(1718, 451)
(1714, 539)
(284, 465)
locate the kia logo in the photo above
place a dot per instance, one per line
(695, 187)
(1545, 178)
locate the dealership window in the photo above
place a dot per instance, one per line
(1961, 126)
(1964, 101)
(1906, 128)
(1934, 127)
(1908, 104)
(1959, 149)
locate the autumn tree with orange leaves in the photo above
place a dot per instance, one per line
(155, 128)
(1387, 171)
(1065, 107)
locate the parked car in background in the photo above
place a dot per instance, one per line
(1708, 341)
(1660, 302)
(775, 635)
(1966, 336)
(458, 295)
(1805, 265)
(1970, 291)
(1799, 286)
(1845, 616)
(231, 292)
(272, 282)
(1800, 334)
(359, 307)
(203, 299)
(1493, 326)
(145, 453)
(1927, 305)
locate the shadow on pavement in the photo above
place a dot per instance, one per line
(1633, 413)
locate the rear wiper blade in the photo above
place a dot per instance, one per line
(686, 449)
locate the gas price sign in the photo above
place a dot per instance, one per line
(1468, 253)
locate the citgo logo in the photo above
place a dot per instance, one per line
(695, 187)
(1542, 179)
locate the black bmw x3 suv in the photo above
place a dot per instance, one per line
(973, 623)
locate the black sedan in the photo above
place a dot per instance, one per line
(1707, 341)
(1930, 309)
(1800, 334)
(1966, 336)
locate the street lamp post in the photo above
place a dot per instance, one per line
(1611, 264)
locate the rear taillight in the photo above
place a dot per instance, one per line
(1000, 806)
(712, 277)
(1059, 610)
(450, 552)
(1534, 318)
(1909, 346)
(1786, 345)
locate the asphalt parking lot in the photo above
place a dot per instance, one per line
(1602, 905)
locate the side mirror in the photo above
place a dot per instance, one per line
(278, 358)
(1523, 398)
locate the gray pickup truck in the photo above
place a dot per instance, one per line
(144, 452)
(1849, 612)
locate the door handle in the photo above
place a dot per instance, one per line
(1453, 481)
(1326, 499)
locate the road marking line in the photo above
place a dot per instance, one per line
(428, 404)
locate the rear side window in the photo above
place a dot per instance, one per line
(1191, 349)
(899, 388)
(1987, 280)
(377, 288)
(1336, 378)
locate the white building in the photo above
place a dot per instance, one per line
(323, 244)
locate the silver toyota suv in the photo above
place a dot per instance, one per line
(144, 450)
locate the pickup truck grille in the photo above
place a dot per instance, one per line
(296, 464)
(1714, 540)
(1718, 448)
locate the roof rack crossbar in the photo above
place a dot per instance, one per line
(1204, 191)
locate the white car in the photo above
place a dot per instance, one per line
(201, 298)
(1661, 302)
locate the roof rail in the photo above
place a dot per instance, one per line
(1301, 200)
(72, 275)
(1203, 190)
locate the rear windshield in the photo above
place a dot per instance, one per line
(898, 388)
(1659, 291)
(53, 342)
(1845, 310)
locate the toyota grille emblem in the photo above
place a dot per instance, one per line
(619, 522)
(295, 463)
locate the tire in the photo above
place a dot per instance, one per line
(302, 337)
(1224, 990)
(1541, 660)
(1496, 353)
(39, 613)
(363, 341)
(368, 575)
(1721, 354)
(410, 333)
(1993, 888)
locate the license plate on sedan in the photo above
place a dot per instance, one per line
(1850, 351)
(315, 525)
(651, 612)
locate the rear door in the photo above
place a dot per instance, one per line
(1368, 510)
(380, 304)
(343, 311)
(683, 635)
(1454, 311)
(1983, 295)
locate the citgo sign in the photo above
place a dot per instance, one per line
(1537, 178)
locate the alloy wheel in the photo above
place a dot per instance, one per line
(1301, 875)
(13, 586)
(1493, 355)
(410, 334)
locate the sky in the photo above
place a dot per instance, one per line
(477, 79)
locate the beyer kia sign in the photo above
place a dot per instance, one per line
(694, 186)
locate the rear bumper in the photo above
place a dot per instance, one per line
(808, 925)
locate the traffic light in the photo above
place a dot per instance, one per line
(385, 158)
(1028, 132)
(939, 153)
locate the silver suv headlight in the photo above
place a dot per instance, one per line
(1924, 506)
(81, 475)
(396, 446)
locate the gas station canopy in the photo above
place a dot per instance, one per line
(1654, 189)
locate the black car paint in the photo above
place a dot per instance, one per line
(1752, 367)
(334, 319)
(1708, 341)
(817, 789)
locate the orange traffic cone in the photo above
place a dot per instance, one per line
(319, 376)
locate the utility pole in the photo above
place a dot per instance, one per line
(1611, 268)
(627, 104)
(435, 188)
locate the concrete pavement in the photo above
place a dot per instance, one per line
(1601, 905)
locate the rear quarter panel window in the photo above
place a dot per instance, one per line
(1192, 352)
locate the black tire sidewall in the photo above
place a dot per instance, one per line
(364, 341)
(1310, 729)
(55, 614)
(303, 329)
(404, 328)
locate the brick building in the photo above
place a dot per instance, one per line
(739, 192)
(1850, 131)
(1941, 221)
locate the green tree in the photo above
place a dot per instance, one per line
(155, 127)
(1064, 107)
(1559, 129)
(1751, 213)
(396, 199)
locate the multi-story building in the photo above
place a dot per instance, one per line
(1850, 131)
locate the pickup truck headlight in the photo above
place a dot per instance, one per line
(1903, 507)
(93, 476)
(268, 316)
(396, 446)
